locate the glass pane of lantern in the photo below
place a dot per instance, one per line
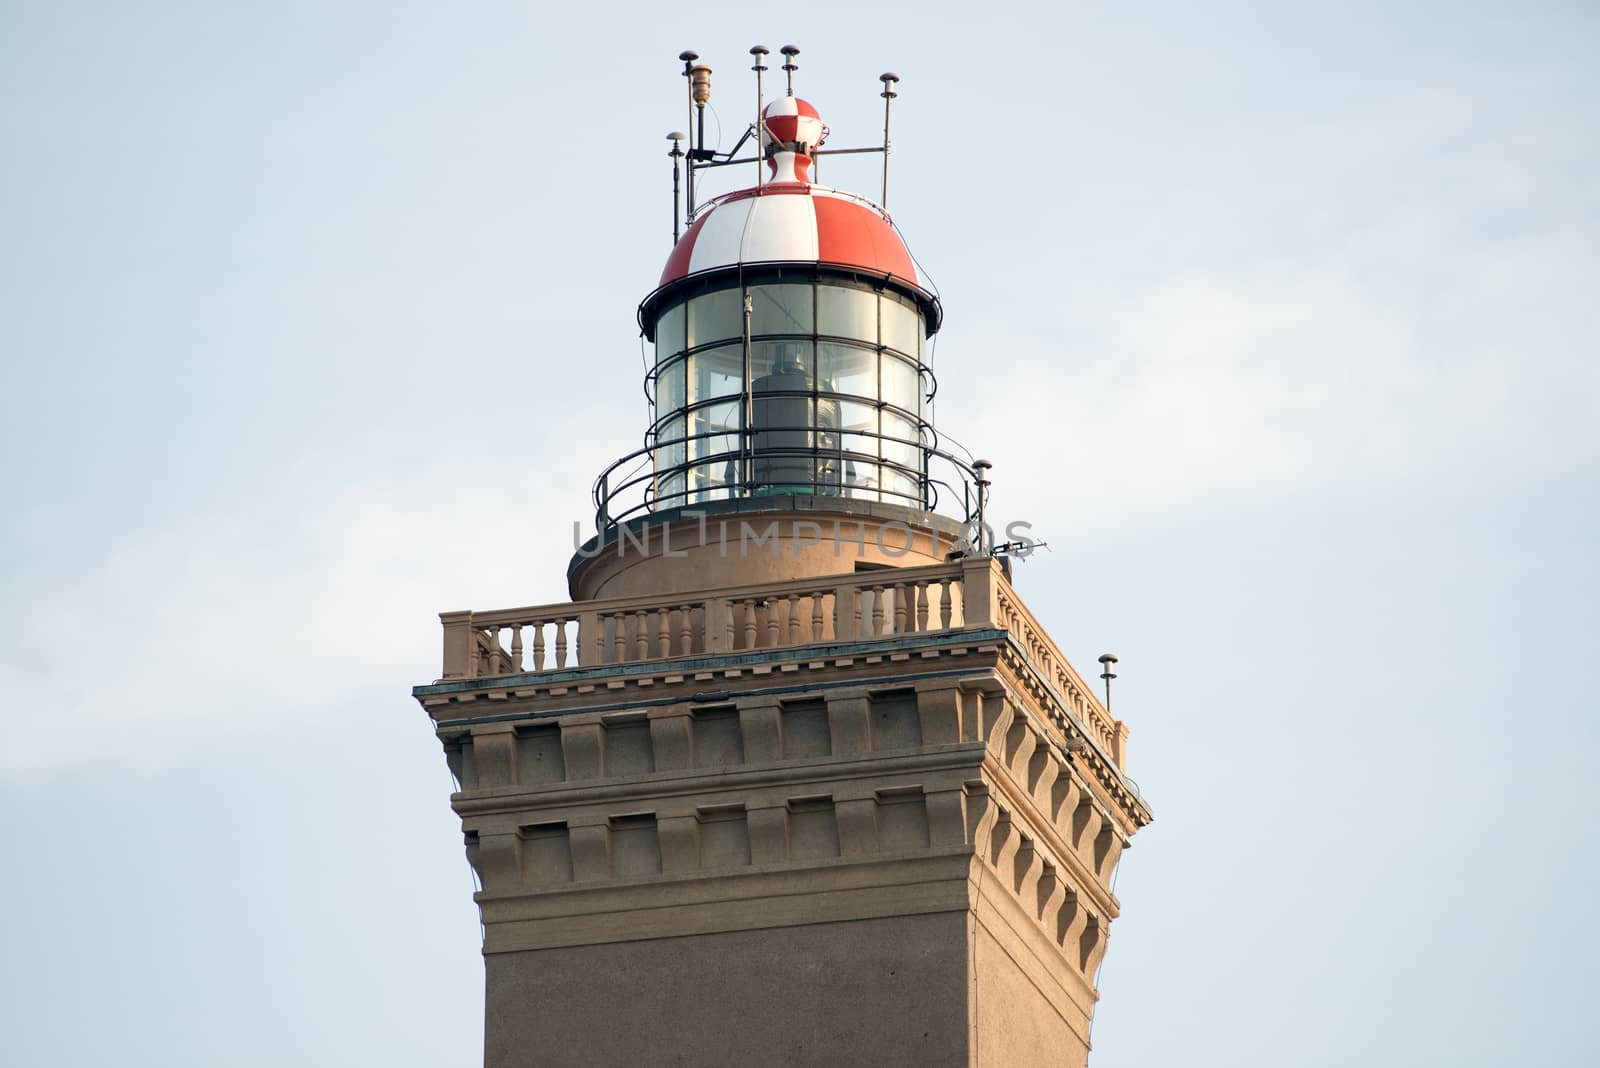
(780, 309)
(719, 426)
(669, 388)
(902, 326)
(901, 385)
(844, 312)
(781, 365)
(710, 482)
(847, 369)
(669, 447)
(858, 427)
(859, 479)
(902, 489)
(716, 316)
(717, 372)
(669, 332)
(901, 443)
(669, 491)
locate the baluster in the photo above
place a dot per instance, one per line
(947, 597)
(619, 639)
(561, 644)
(475, 665)
(856, 594)
(516, 648)
(772, 622)
(641, 635)
(920, 593)
(726, 623)
(664, 632)
(685, 635)
(901, 609)
(878, 595)
(749, 623)
(538, 647)
(816, 616)
(794, 619)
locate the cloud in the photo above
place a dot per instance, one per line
(1408, 353)
(283, 607)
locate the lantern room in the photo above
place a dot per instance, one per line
(789, 333)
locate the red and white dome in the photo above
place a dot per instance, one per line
(792, 222)
(789, 220)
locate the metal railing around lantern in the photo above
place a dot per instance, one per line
(633, 484)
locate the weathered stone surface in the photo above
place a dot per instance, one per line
(893, 851)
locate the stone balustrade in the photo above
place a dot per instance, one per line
(1010, 614)
(838, 608)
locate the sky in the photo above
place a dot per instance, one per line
(1278, 323)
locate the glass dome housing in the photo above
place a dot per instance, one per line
(835, 399)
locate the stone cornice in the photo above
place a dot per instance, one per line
(699, 782)
(460, 703)
(1008, 792)
(684, 677)
(1021, 672)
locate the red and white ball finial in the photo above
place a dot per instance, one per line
(792, 132)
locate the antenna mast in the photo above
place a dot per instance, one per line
(888, 78)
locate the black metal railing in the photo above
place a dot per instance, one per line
(633, 484)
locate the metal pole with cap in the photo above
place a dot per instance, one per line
(759, 52)
(888, 78)
(980, 473)
(688, 58)
(789, 67)
(1106, 660)
(677, 154)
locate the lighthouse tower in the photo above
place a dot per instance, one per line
(796, 777)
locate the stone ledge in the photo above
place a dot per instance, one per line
(666, 906)
(877, 764)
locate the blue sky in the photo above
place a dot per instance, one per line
(1278, 322)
